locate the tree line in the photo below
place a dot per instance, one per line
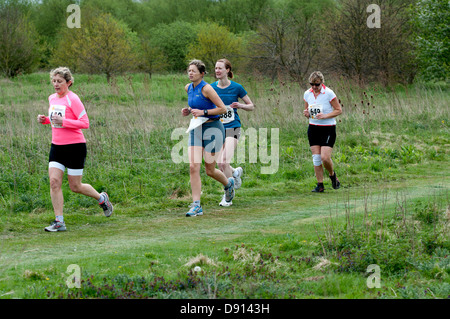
(275, 38)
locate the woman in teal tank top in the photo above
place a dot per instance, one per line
(230, 92)
(206, 140)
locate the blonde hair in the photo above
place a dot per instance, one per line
(199, 64)
(64, 72)
(316, 75)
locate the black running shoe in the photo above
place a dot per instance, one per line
(319, 188)
(335, 182)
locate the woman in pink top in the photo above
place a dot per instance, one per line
(67, 117)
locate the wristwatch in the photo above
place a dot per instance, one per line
(205, 112)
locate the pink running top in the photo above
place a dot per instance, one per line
(74, 119)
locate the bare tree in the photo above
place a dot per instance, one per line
(369, 53)
(286, 44)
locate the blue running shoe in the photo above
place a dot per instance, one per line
(195, 210)
(229, 192)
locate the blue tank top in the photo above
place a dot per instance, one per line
(196, 99)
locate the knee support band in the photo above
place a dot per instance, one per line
(317, 160)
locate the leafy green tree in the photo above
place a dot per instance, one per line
(48, 17)
(433, 33)
(133, 13)
(173, 40)
(169, 11)
(18, 45)
(214, 42)
(238, 15)
(152, 59)
(101, 45)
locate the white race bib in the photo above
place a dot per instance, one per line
(228, 116)
(315, 109)
(196, 122)
(57, 110)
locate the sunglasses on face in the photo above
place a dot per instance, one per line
(315, 84)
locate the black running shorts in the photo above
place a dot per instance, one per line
(71, 156)
(234, 132)
(322, 135)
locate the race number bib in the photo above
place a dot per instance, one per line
(228, 116)
(196, 122)
(315, 109)
(57, 110)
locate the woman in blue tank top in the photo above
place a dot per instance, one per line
(205, 140)
(230, 92)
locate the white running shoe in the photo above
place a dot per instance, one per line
(237, 174)
(56, 226)
(106, 205)
(224, 203)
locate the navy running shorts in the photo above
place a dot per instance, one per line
(210, 136)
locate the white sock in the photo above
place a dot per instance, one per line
(101, 199)
(60, 218)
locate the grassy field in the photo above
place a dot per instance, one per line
(278, 240)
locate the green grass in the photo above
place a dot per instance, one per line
(264, 251)
(392, 161)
